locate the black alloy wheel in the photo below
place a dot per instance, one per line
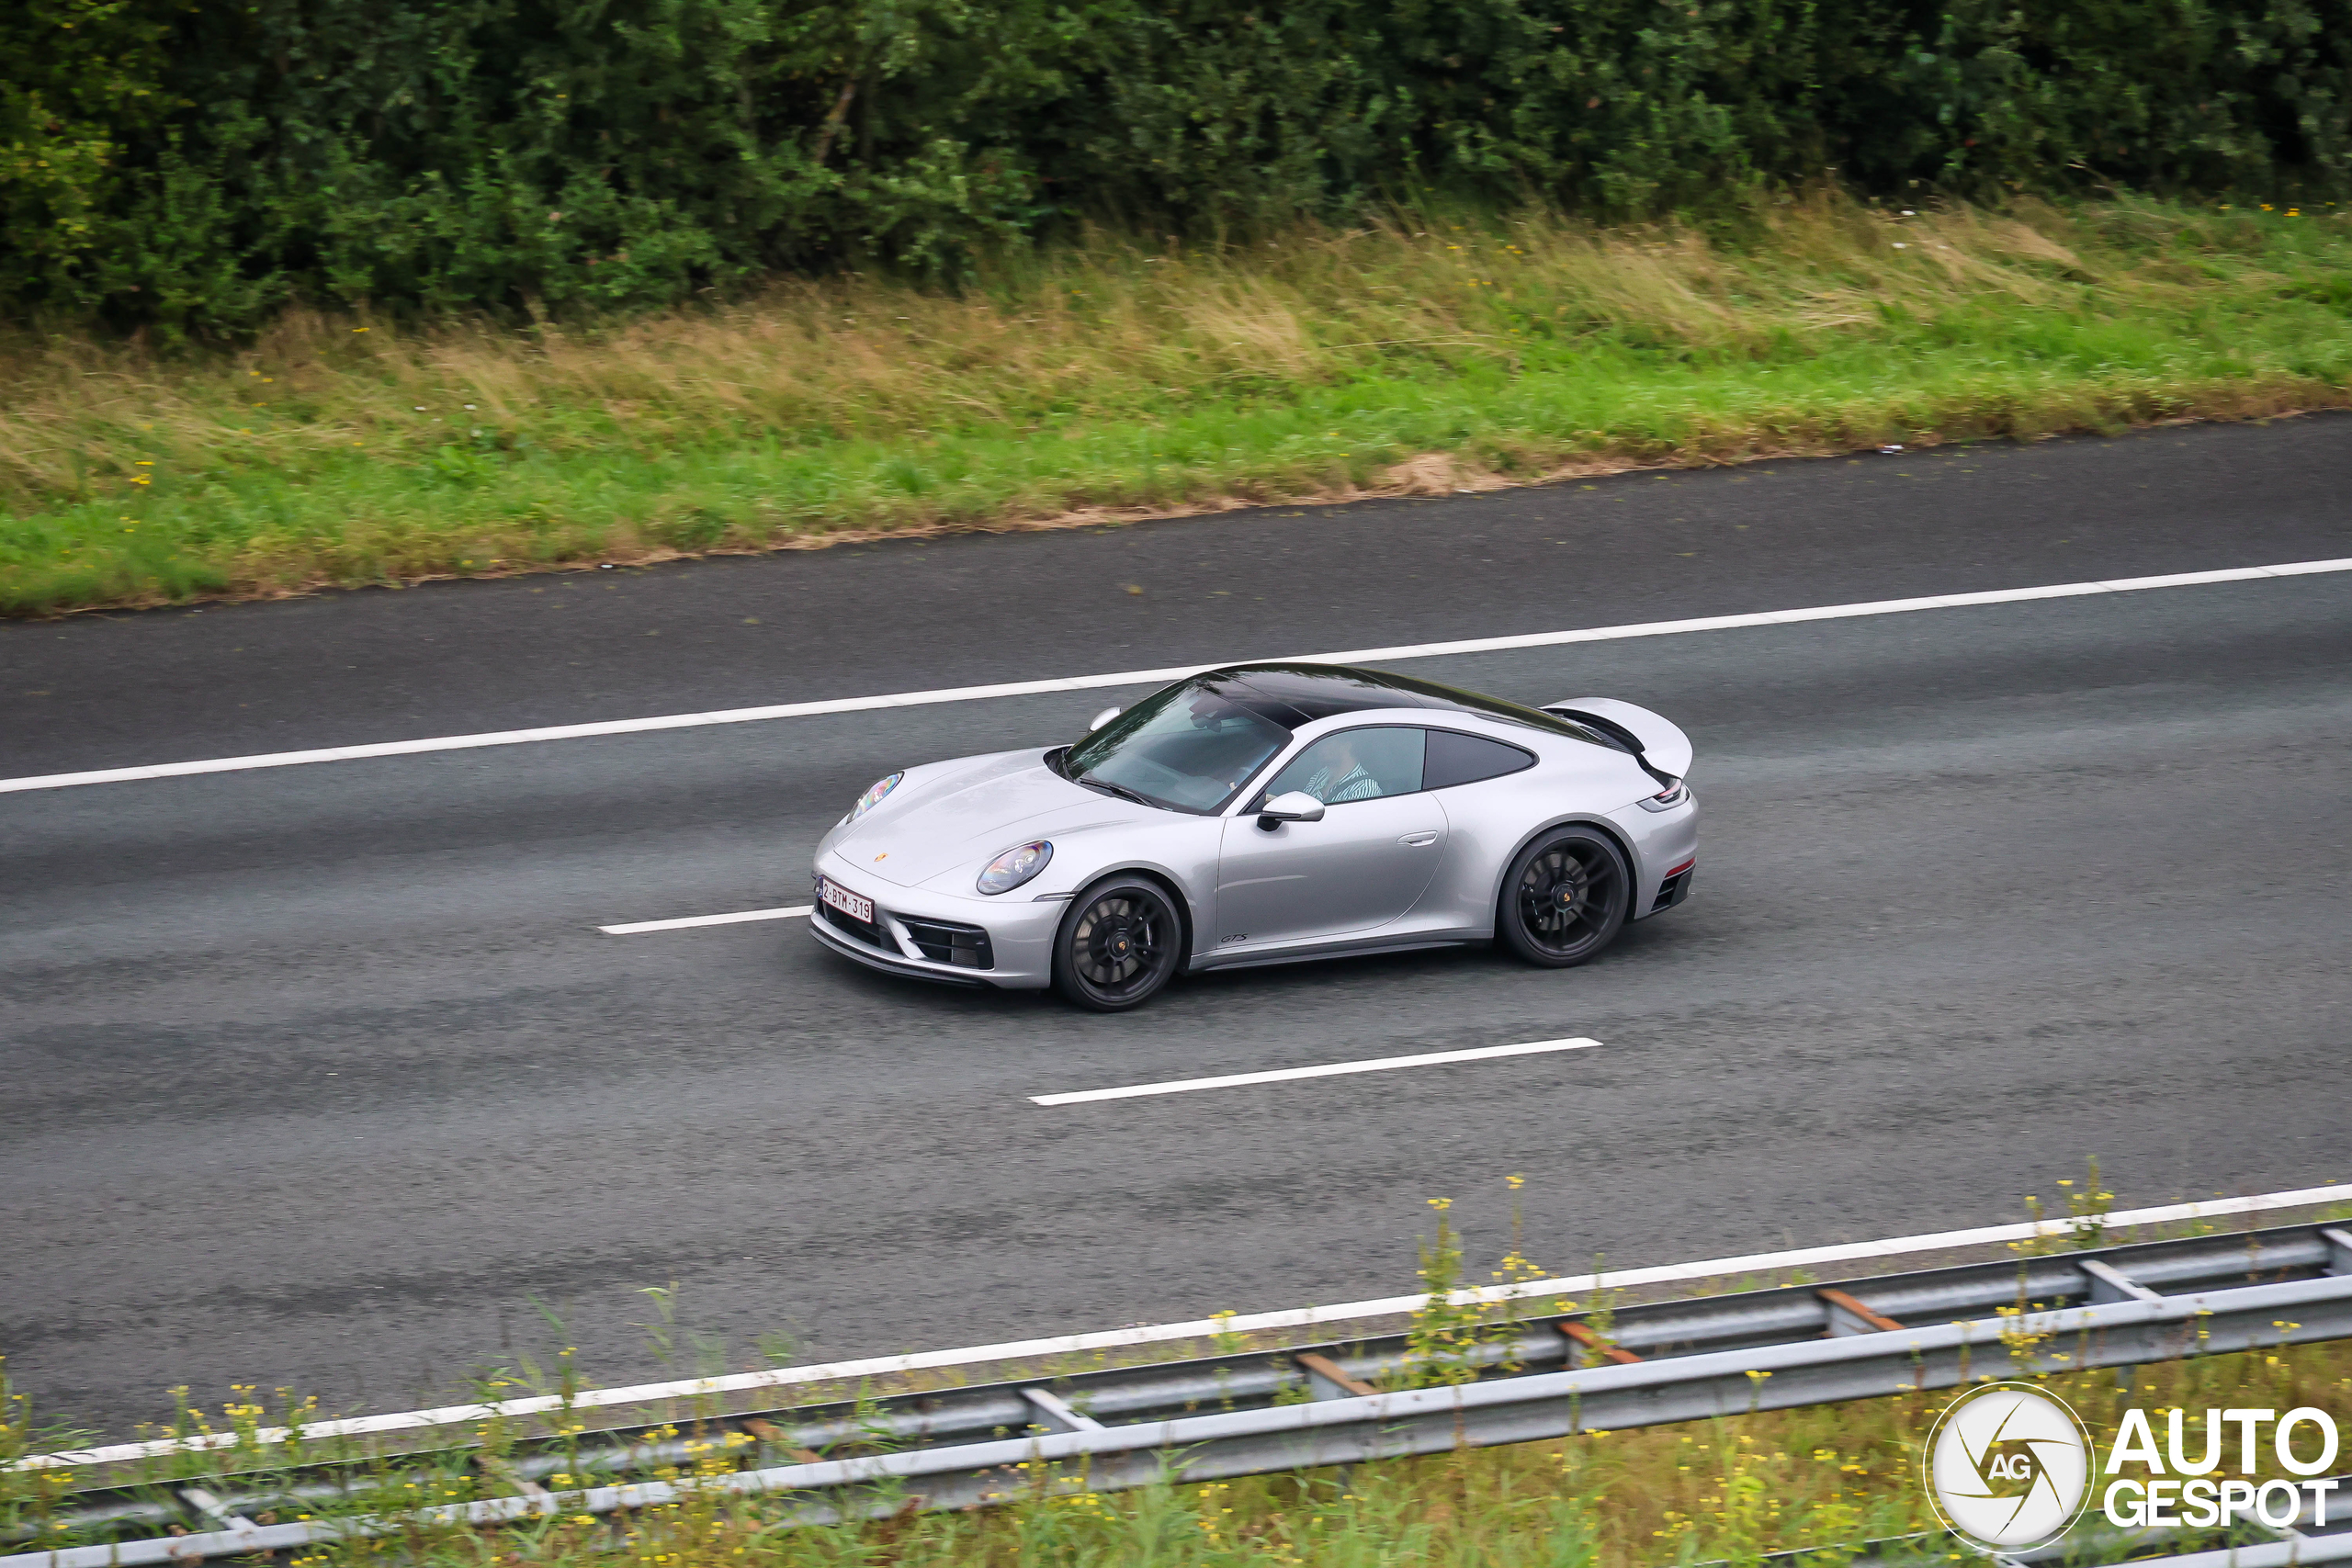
(1120, 942)
(1566, 899)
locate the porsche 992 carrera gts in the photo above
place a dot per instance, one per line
(1264, 813)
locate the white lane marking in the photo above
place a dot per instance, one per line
(1329, 1069)
(792, 912)
(1153, 1333)
(1149, 677)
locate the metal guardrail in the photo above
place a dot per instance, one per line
(1288, 1409)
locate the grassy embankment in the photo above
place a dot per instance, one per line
(1118, 380)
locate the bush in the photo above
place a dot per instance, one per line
(196, 163)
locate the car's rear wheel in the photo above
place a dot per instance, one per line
(1566, 898)
(1121, 941)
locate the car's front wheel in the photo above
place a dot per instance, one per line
(1566, 899)
(1118, 944)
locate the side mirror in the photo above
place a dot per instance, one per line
(1100, 719)
(1293, 806)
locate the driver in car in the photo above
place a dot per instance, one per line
(1343, 776)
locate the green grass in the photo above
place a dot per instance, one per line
(1117, 379)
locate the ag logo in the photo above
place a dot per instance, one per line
(2008, 1465)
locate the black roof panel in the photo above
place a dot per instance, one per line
(1294, 694)
(1310, 692)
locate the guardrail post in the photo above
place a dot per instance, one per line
(498, 1469)
(1054, 1413)
(1848, 1315)
(777, 1438)
(212, 1508)
(2111, 1284)
(1326, 1379)
(1587, 1348)
(2339, 1249)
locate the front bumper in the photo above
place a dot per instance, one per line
(1018, 944)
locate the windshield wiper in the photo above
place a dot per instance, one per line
(1122, 791)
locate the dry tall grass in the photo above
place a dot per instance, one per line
(1116, 374)
(1107, 331)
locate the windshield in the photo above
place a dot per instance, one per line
(1187, 748)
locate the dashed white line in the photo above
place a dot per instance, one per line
(1149, 677)
(1329, 1069)
(789, 912)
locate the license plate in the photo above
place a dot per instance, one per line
(847, 902)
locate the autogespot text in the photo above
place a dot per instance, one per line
(2181, 1489)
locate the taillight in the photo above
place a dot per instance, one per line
(1668, 798)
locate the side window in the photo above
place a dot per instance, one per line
(1458, 759)
(1355, 764)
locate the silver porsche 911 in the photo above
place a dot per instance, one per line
(1263, 814)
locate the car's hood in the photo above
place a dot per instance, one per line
(970, 811)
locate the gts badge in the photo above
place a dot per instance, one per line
(1224, 940)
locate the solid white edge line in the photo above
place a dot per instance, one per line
(1150, 677)
(734, 920)
(1328, 1070)
(1297, 1317)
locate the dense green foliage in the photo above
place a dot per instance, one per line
(198, 162)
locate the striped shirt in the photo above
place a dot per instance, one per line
(1357, 785)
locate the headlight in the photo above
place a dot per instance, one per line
(872, 798)
(1013, 867)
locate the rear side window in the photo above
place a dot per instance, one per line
(1456, 759)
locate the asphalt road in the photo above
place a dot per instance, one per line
(322, 1076)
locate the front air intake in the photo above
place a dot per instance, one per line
(967, 947)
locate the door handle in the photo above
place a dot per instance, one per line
(1415, 841)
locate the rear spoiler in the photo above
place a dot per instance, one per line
(1658, 743)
